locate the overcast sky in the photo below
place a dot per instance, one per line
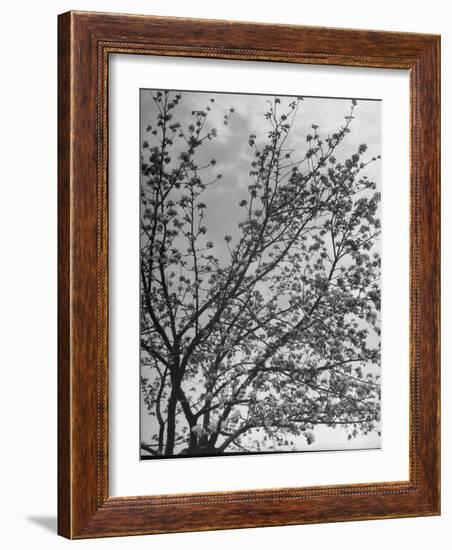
(233, 155)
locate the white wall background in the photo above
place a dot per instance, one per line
(28, 270)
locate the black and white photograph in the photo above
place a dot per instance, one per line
(260, 257)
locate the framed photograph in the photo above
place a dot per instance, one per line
(248, 275)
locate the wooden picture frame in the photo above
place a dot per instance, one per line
(85, 42)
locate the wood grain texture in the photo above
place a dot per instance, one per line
(64, 294)
(85, 42)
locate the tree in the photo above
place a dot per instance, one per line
(252, 352)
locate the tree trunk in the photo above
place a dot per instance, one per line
(171, 421)
(172, 407)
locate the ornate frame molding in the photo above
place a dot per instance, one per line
(85, 42)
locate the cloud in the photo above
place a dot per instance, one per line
(233, 155)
